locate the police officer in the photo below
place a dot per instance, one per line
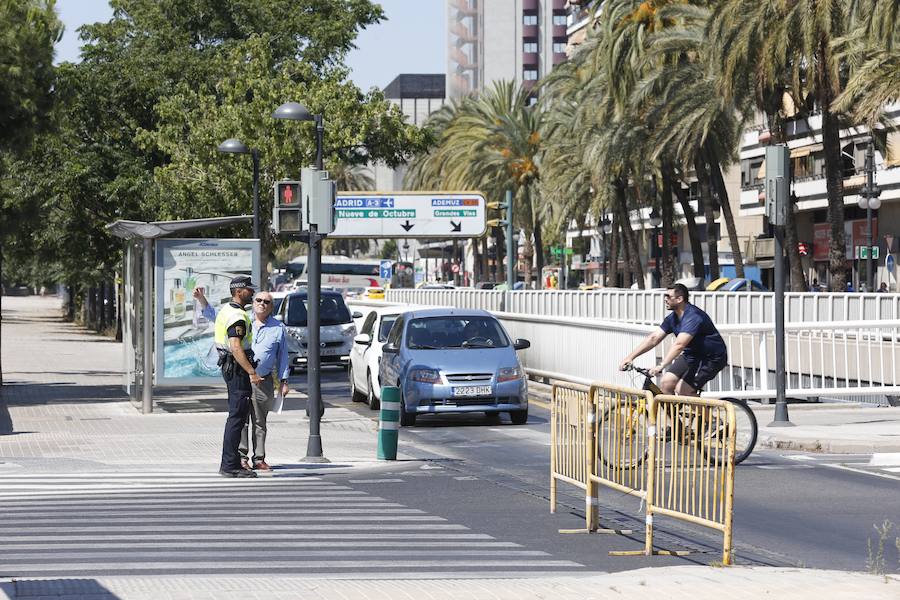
(233, 336)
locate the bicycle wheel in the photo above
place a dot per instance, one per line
(623, 440)
(746, 431)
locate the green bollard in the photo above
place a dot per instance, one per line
(389, 428)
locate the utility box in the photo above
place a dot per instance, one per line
(318, 198)
(778, 182)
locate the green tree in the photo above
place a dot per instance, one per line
(762, 49)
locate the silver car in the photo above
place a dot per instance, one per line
(336, 328)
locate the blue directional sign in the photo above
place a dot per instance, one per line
(889, 263)
(385, 270)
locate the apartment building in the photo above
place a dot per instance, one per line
(490, 40)
(808, 188)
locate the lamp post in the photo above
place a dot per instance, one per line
(405, 251)
(605, 230)
(869, 199)
(294, 111)
(655, 222)
(236, 146)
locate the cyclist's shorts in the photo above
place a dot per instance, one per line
(697, 373)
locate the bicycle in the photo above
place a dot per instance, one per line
(746, 427)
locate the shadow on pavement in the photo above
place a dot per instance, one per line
(54, 588)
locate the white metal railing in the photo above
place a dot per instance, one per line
(837, 359)
(647, 306)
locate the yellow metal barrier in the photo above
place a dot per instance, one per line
(620, 444)
(692, 476)
(676, 453)
(570, 435)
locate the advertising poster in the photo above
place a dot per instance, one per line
(185, 349)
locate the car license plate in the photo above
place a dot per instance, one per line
(329, 351)
(472, 390)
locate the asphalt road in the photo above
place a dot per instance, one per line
(791, 508)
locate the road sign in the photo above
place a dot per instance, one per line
(455, 268)
(862, 252)
(437, 215)
(889, 263)
(385, 269)
(556, 251)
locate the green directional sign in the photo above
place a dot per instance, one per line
(557, 250)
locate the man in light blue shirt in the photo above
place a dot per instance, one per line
(270, 350)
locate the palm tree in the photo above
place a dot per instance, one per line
(871, 49)
(761, 48)
(489, 143)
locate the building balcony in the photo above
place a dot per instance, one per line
(530, 31)
(559, 5)
(463, 33)
(463, 6)
(530, 58)
(528, 84)
(461, 58)
(559, 32)
(530, 5)
(559, 57)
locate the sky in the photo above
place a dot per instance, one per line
(412, 39)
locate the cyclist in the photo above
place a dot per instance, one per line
(698, 352)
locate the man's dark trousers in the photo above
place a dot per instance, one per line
(238, 411)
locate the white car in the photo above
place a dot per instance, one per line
(365, 356)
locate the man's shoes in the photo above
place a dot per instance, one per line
(241, 473)
(245, 464)
(261, 465)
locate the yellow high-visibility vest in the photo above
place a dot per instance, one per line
(228, 316)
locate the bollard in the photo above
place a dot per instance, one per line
(389, 428)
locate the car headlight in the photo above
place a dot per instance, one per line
(425, 375)
(349, 332)
(509, 374)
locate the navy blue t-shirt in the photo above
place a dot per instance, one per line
(707, 343)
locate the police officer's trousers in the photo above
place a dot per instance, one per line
(238, 410)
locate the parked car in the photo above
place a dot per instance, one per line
(365, 357)
(740, 284)
(336, 328)
(447, 360)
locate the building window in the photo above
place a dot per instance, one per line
(530, 74)
(559, 47)
(530, 47)
(529, 20)
(559, 19)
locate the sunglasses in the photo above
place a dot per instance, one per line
(262, 301)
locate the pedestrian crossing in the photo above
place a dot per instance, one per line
(198, 523)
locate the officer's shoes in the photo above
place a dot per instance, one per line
(242, 473)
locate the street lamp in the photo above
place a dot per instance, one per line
(605, 230)
(655, 222)
(405, 251)
(236, 146)
(869, 200)
(294, 111)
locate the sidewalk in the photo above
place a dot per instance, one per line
(62, 409)
(674, 583)
(827, 428)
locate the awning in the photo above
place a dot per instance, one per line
(765, 264)
(805, 150)
(854, 182)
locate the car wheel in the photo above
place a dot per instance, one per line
(406, 419)
(519, 417)
(370, 394)
(355, 394)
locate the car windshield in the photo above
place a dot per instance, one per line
(332, 311)
(387, 322)
(432, 333)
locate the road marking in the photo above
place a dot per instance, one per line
(892, 469)
(885, 459)
(864, 472)
(784, 467)
(540, 403)
(375, 481)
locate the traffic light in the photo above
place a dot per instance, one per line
(287, 211)
(498, 222)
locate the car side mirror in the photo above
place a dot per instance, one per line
(521, 344)
(363, 339)
(390, 349)
(357, 314)
(279, 317)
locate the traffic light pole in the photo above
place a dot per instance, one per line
(510, 258)
(314, 294)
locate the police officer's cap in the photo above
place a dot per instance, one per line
(242, 281)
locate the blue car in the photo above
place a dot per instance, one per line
(454, 361)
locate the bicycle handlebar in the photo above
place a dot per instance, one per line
(641, 370)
